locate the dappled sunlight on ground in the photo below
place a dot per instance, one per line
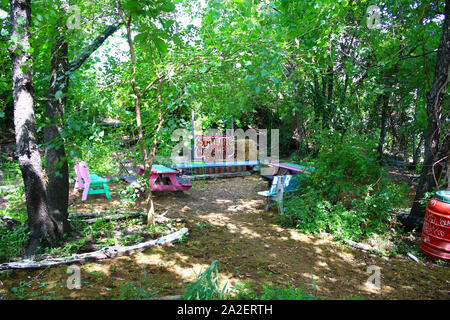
(227, 223)
(95, 267)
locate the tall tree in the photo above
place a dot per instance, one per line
(138, 95)
(30, 162)
(434, 148)
(56, 164)
(61, 69)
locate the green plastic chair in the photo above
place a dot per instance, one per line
(91, 183)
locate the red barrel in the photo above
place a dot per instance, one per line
(436, 227)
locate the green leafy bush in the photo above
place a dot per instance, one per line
(348, 195)
(132, 192)
(12, 243)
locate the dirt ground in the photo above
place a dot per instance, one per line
(227, 223)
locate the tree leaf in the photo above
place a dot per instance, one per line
(168, 7)
(141, 37)
(161, 46)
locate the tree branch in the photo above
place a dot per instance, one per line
(86, 53)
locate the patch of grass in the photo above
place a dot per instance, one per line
(139, 290)
(442, 263)
(203, 225)
(12, 243)
(199, 184)
(206, 286)
(67, 249)
(10, 173)
(244, 291)
(131, 239)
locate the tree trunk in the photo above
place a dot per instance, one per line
(55, 155)
(148, 159)
(433, 148)
(56, 160)
(30, 162)
(384, 99)
(150, 207)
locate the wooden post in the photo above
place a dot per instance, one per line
(279, 196)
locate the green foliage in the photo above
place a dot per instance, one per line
(244, 291)
(312, 69)
(426, 198)
(10, 173)
(15, 206)
(13, 243)
(206, 286)
(348, 195)
(97, 152)
(139, 290)
(273, 292)
(132, 192)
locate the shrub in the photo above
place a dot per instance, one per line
(348, 195)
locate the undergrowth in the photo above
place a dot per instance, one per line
(348, 194)
(206, 287)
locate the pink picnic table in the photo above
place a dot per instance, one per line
(161, 175)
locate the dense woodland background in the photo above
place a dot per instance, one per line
(351, 89)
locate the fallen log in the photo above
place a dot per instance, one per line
(105, 253)
(362, 246)
(115, 217)
(101, 213)
(414, 258)
(119, 215)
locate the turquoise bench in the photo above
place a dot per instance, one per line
(291, 183)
